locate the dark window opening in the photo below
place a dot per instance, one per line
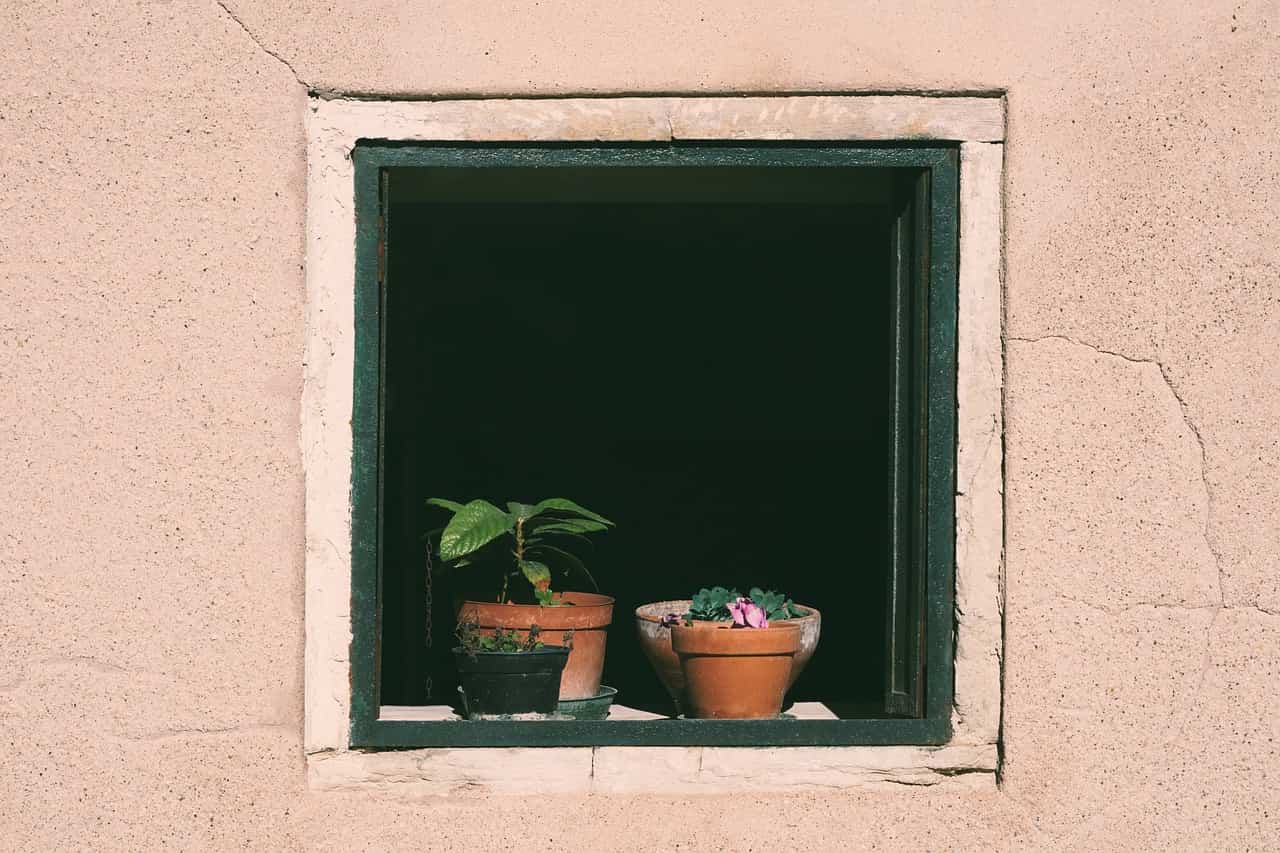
(730, 360)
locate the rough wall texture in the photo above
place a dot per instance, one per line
(152, 201)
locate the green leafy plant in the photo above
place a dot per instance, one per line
(536, 534)
(472, 641)
(755, 610)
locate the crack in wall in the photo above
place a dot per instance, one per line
(1162, 605)
(1184, 410)
(268, 51)
(92, 663)
(196, 731)
(1137, 605)
(1221, 606)
(1205, 666)
(1204, 478)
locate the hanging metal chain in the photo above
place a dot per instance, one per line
(430, 657)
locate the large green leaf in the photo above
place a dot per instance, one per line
(560, 535)
(538, 574)
(525, 511)
(569, 558)
(565, 505)
(570, 525)
(473, 526)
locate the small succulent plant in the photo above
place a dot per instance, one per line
(755, 610)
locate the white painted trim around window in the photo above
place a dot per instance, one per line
(334, 127)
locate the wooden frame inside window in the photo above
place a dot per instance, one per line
(919, 682)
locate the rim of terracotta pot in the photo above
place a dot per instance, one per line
(583, 610)
(719, 638)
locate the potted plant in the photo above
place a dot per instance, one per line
(655, 622)
(505, 672)
(533, 537)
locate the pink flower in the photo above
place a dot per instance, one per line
(747, 614)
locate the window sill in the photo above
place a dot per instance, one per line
(650, 769)
(450, 771)
(810, 724)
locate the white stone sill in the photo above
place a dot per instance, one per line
(644, 769)
(650, 769)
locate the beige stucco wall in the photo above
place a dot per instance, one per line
(152, 201)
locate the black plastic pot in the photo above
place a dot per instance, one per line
(511, 682)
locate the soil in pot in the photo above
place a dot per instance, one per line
(735, 673)
(655, 641)
(511, 682)
(586, 614)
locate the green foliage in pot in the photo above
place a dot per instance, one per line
(534, 533)
(507, 640)
(757, 609)
(471, 641)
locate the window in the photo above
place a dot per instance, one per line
(762, 342)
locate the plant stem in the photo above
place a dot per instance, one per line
(502, 597)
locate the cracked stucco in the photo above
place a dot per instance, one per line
(1187, 421)
(1183, 412)
(151, 359)
(1199, 611)
(258, 41)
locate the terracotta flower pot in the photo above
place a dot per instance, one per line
(735, 673)
(585, 613)
(655, 639)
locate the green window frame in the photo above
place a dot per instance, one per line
(919, 647)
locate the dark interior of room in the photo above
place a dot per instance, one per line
(702, 355)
